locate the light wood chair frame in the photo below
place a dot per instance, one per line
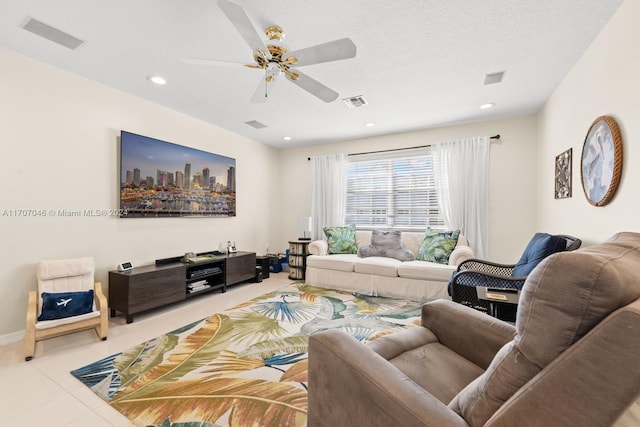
(33, 335)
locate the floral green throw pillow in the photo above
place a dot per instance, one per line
(438, 245)
(342, 240)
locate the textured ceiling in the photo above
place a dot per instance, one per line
(419, 63)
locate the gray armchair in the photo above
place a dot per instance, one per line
(570, 359)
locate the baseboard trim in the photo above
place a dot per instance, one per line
(12, 337)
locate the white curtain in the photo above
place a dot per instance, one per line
(462, 176)
(328, 192)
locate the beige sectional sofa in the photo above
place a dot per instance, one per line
(382, 276)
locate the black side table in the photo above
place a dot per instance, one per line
(263, 262)
(503, 303)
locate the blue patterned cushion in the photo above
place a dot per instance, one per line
(541, 246)
(65, 304)
(341, 240)
(438, 245)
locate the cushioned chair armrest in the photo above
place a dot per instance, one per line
(341, 368)
(319, 247)
(470, 333)
(582, 375)
(459, 254)
(488, 280)
(486, 266)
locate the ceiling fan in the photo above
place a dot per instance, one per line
(275, 59)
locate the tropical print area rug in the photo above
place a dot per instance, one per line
(246, 366)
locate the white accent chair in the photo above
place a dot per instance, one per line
(67, 275)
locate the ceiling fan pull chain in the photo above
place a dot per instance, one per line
(266, 89)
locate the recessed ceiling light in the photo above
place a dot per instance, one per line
(370, 124)
(487, 105)
(157, 80)
(287, 138)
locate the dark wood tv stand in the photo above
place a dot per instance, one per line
(147, 287)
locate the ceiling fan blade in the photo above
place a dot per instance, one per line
(314, 87)
(241, 21)
(263, 91)
(325, 52)
(203, 61)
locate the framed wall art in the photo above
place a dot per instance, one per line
(601, 161)
(163, 179)
(563, 175)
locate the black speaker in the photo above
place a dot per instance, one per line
(258, 277)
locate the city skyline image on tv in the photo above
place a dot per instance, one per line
(163, 179)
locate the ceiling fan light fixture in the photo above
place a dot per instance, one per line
(275, 54)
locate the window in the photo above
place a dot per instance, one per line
(393, 193)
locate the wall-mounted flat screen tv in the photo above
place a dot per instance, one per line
(163, 179)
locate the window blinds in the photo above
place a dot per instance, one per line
(393, 193)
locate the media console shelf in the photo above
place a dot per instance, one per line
(205, 276)
(170, 280)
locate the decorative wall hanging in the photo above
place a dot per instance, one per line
(563, 175)
(601, 161)
(163, 179)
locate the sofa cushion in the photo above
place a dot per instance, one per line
(342, 240)
(540, 246)
(425, 270)
(438, 245)
(386, 244)
(562, 299)
(379, 266)
(340, 262)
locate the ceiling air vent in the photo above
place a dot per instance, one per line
(256, 124)
(355, 101)
(43, 30)
(492, 78)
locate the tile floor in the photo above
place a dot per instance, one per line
(42, 392)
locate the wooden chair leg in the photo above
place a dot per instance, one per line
(29, 345)
(102, 329)
(30, 336)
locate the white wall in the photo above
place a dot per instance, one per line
(59, 137)
(512, 177)
(605, 81)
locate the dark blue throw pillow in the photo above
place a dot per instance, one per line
(541, 246)
(65, 304)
